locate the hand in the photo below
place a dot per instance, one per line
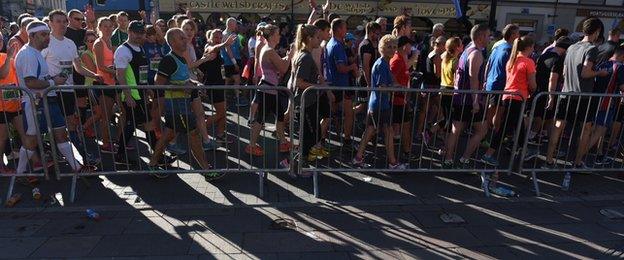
(209, 56)
(551, 103)
(89, 14)
(59, 80)
(230, 40)
(312, 4)
(326, 6)
(188, 13)
(475, 107)
(142, 14)
(603, 73)
(130, 101)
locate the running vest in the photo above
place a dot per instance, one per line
(136, 72)
(462, 77)
(180, 77)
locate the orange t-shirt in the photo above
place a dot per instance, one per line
(518, 78)
(10, 100)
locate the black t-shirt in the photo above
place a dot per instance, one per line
(78, 37)
(605, 51)
(558, 68)
(545, 65)
(366, 47)
(212, 71)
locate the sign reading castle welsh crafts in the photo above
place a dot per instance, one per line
(301, 7)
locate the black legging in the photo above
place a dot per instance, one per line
(511, 120)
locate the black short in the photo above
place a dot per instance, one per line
(446, 104)
(401, 114)
(619, 116)
(68, 103)
(111, 93)
(577, 110)
(139, 115)
(7, 117)
(80, 93)
(230, 70)
(540, 108)
(379, 118)
(269, 104)
(464, 114)
(215, 96)
(495, 100)
(343, 94)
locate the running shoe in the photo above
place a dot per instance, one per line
(397, 166)
(602, 160)
(211, 176)
(489, 160)
(210, 145)
(167, 160)
(255, 150)
(549, 166)
(530, 154)
(464, 161)
(222, 139)
(319, 152)
(284, 164)
(87, 169)
(410, 156)
(176, 148)
(359, 163)
(108, 148)
(447, 164)
(503, 191)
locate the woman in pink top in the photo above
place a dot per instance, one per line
(103, 49)
(521, 81)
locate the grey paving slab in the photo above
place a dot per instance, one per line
(431, 253)
(496, 252)
(377, 254)
(154, 225)
(75, 246)
(83, 226)
(287, 241)
(314, 255)
(142, 245)
(449, 237)
(555, 251)
(242, 256)
(19, 247)
(382, 239)
(21, 227)
(216, 243)
(585, 231)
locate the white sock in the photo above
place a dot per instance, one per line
(24, 157)
(67, 149)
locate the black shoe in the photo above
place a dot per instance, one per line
(167, 160)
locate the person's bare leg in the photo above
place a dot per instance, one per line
(615, 134)
(279, 131)
(583, 147)
(198, 151)
(388, 138)
(596, 138)
(366, 137)
(347, 109)
(18, 124)
(451, 142)
(255, 133)
(167, 136)
(198, 111)
(481, 129)
(406, 137)
(553, 141)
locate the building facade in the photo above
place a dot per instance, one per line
(13, 8)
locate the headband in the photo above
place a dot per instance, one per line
(40, 28)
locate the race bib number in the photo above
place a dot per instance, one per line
(67, 68)
(10, 94)
(143, 74)
(154, 62)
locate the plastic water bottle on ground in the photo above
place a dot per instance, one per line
(92, 214)
(36, 194)
(567, 179)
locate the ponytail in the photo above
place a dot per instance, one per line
(519, 45)
(304, 32)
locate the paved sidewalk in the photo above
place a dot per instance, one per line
(385, 217)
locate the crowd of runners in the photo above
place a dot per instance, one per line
(76, 48)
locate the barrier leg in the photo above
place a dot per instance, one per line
(315, 181)
(535, 184)
(485, 184)
(261, 184)
(11, 185)
(72, 191)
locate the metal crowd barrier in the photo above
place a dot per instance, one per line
(228, 158)
(585, 117)
(423, 153)
(14, 139)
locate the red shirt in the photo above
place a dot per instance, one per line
(518, 78)
(398, 67)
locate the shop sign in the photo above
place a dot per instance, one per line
(599, 13)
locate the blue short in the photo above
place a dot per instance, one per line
(179, 115)
(56, 116)
(605, 118)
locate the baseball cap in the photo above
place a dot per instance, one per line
(260, 25)
(136, 26)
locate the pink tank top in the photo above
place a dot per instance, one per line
(269, 72)
(109, 79)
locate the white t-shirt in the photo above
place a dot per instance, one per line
(251, 47)
(60, 56)
(30, 63)
(123, 55)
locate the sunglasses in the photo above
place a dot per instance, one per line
(78, 19)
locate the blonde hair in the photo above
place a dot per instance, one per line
(304, 32)
(99, 24)
(452, 46)
(268, 30)
(190, 23)
(387, 40)
(211, 33)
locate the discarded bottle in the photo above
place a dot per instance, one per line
(13, 200)
(36, 194)
(92, 214)
(567, 179)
